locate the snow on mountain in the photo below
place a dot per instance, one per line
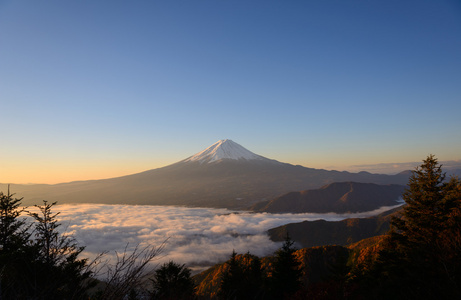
(224, 149)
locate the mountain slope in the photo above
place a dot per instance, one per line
(345, 232)
(223, 175)
(317, 264)
(339, 197)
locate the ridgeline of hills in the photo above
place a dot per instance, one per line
(225, 175)
(338, 197)
(344, 232)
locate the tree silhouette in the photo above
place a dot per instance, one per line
(427, 206)
(13, 231)
(129, 273)
(418, 260)
(173, 281)
(58, 271)
(232, 279)
(243, 278)
(41, 265)
(286, 273)
(14, 250)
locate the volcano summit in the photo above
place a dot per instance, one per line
(224, 149)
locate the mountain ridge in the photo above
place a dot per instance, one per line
(339, 197)
(344, 232)
(224, 183)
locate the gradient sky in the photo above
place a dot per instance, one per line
(98, 89)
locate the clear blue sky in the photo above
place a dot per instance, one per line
(97, 89)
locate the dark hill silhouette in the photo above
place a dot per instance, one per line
(345, 232)
(339, 197)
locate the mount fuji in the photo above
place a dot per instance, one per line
(222, 150)
(224, 175)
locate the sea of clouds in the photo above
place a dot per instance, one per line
(197, 237)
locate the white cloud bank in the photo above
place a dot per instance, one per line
(197, 237)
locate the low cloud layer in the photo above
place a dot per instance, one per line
(197, 237)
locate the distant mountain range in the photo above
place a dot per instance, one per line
(339, 197)
(223, 175)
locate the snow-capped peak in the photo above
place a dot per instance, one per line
(224, 149)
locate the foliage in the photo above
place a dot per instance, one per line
(57, 267)
(42, 265)
(173, 281)
(286, 272)
(243, 278)
(323, 272)
(13, 250)
(421, 257)
(428, 207)
(13, 231)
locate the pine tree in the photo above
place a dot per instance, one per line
(254, 284)
(232, 279)
(13, 231)
(286, 274)
(57, 270)
(243, 278)
(417, 260)
(173, 281)
(15, 253)
(427, 206)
